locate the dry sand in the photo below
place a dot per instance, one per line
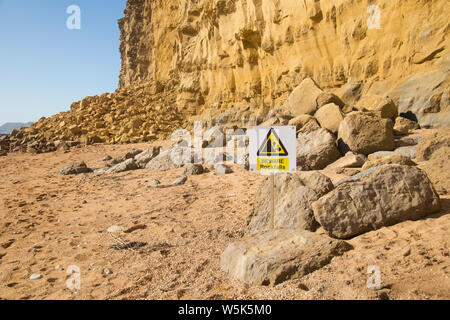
(50, 222)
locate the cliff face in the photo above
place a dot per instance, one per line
(234, 62)
(222, 53)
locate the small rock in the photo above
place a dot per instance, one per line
(107, 271)
(403, 126)
(132, 153)
(114, 229)
(36, 276)
(127, 165)
(191, 169)
(145, 157)
(222, 168)
(153, 183)
(107, 158)
(179, 181)
(74, 168)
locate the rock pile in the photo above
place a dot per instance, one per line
(135, 114)
(386, 186)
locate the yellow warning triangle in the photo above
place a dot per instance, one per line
(272, 146)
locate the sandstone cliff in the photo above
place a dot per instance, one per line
(223, 53)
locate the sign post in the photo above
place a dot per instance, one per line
(272, 150)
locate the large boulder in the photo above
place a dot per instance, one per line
(279, 255)
(293, 195)
(329, 117)
(316, 150)
(381, 197)
(365, 133)
(303, 99)
(385, 107)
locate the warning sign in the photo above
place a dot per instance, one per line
(272, 146)
(272, 149)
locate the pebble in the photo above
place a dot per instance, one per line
(153, 182)
(223, 169)
(114, 229)
(107, 271)
(36, 276)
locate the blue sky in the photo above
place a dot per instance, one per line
(44, 66)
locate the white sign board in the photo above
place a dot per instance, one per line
(272, 149)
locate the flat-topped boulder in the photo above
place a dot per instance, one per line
(278, 255)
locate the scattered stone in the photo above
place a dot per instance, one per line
(191, 169)
(107, 158)
(36, 276)
(293, 197)
(222, 168)
(114, 229)
(279, 255)
(403, 126)
(365, 133)
(316, 150)
(107, 271)
(74, 168)
(132, 153)
(163, 161)
(127, 165)
(153, 183)
(145, 157)
(179, 181)
(329, 116)
(62, 146)
(375, 198)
